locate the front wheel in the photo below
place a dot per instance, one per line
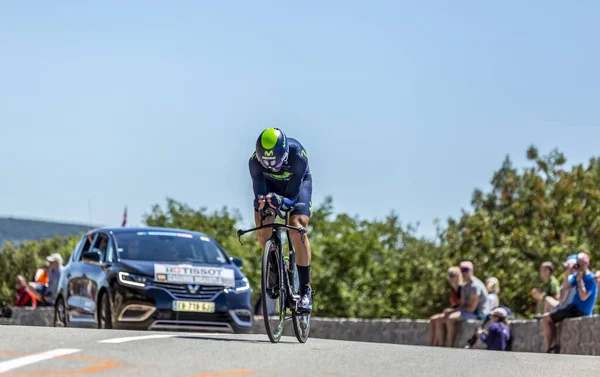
(104, 315)
(301, 326)
(273, 295)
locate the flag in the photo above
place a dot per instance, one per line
(124, 217)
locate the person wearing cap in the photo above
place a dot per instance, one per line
(497, 335)
(567, 292)
(56, 268)
(473, 297)
(548, 296)
(583, 301)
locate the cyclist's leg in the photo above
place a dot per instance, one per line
(263, 234)
(300, 217)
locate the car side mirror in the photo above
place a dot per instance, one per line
(91, 257)
(238, 262)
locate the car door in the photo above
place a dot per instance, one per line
(73, 274)
(93, 274)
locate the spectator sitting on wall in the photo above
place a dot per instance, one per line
(473, 302)
(498, 334)
(25, 296)
(48, 295)
(492, 284)
(583, 302)
(567, 292)
(41, 274)
(436, 321)
(548, 296)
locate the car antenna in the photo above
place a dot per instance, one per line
(90, 210)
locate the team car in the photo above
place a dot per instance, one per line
(153, 279)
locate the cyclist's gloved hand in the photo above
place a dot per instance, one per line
(275, 200)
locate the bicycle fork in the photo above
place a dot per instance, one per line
(290, 273)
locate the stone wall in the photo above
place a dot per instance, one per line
(579, 336)
(30, 317)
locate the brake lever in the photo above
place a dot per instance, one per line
(239, 234)
(302, 232)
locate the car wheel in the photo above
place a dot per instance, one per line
(104, 317)
(60, 314)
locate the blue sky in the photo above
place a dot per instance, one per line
(403, 106)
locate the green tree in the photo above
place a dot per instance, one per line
(542, 213)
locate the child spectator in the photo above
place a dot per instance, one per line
(436, 321)
(493, 287)
(498, 334)
(583, 301)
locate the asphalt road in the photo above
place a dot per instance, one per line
(40, 351)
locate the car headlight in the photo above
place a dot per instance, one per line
(132, 280)
(242, 284)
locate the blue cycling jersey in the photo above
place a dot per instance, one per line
(288, 181)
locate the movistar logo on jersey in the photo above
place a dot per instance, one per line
(269, 153)
(281, 177)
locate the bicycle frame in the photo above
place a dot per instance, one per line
(276, 236)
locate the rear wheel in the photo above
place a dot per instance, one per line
(104, 317)
(273, 296)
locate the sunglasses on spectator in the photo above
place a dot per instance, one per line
(452, 276)
(464, 270)
(577, 266)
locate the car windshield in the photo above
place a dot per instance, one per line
(167, 246)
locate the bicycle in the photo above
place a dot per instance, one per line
(285, 292)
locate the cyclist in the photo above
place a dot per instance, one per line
(281, 178)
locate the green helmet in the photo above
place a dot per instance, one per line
(272, 149)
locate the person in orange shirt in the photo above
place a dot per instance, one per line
(40, 281)
(41, 275)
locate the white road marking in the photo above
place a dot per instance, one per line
(134, 338)
(5, 366)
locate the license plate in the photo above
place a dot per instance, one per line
(193, 306)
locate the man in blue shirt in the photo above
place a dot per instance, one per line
(586, 292)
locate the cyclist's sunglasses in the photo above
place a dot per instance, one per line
(279, 165)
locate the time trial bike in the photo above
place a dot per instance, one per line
(279, 278)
